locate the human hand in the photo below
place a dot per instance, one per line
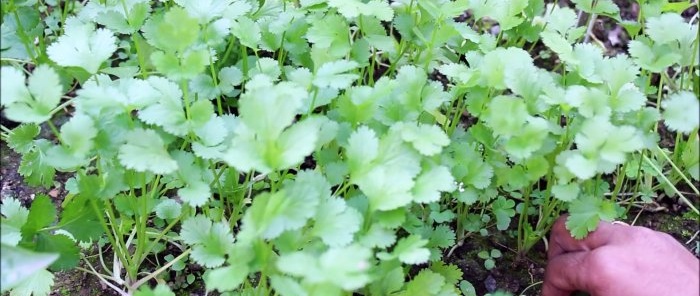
(619, 260)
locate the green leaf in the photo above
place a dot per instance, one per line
(21, 139)
(173, 31)
(41, 214)
(652, 57)
(82, 46)
(78, 134)
(35, 167)
(39, 283)
(123, 19)
(247, 31)
(336, 223)
(331, 33)
(566, 192)
(144, 150)
(225, 278)
(180, 67)
(658, 28)
(606, 7)
(378, 236)
(287, 286)
(351, 9)
(426, 282)
(345, 267)
(206, 10)
(19, 266)
(168, 111)
(585, 213)
(441, 237)
(168, 209)
(427, 139)
(160, 290)
(506, 115)
(31, 102)
(503, 210)
(211, 240)
(61, 244)
(679, 112)
(333, 74)
(409, 250)
(431, 182)
(287, 209)
(195, 193)
(14, 217)
(79, 218)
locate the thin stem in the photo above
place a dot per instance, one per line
(661, 175)
(145, 279)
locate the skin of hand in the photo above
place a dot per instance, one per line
(617, 260)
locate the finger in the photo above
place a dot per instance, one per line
(561, 241)
(565, 274)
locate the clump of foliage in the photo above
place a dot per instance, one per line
(330, 147)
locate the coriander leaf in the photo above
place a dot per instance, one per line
(426, 282)
(211, 240)
(79, 219)
(503, 210)
(196, 193)
(351, 9)
(41, 214)
(658, 28)
(427, 139)
(362, 149)
(205, 10)
(226, 278)
(431, 182)
(39, 283)
(31, 102)
(585, 213)
(35, 167)
(185, 66)
(173, 31)
(160, 290)
(379, 237)
(14, 214)
(144, 150)
(680, 112)
(652, 57)
(20, 267)
(78, 134)
(168, 209)
(287, 286)
(21, 139)
(61, 244)
(332, 74)
(82, 46)
(247, 31)
(506, 115)
(345, 267)
(287, 209)
(331, 33)
(607, 7)
(335, 222)
(441, 237)
(566, 192)
(409, 250)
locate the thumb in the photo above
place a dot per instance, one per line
(567, 273)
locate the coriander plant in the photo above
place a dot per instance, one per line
(330, 147)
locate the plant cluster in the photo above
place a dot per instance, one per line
(332, 147)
